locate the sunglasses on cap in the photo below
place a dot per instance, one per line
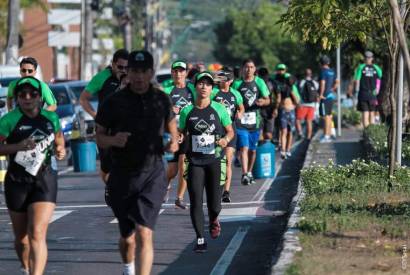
(27, 71)
(23, 94)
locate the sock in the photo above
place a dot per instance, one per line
(129, 269)
(25, 271)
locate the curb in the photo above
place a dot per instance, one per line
(290, 240)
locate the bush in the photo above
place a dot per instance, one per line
(351, 116)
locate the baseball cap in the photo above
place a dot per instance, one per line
(28, 80)
(280, 66)
(368, 54)
(324, 60)
(202, 75)
(178, 64)
(140, 59)
(228, 73)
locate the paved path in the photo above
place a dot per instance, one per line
(83, 235)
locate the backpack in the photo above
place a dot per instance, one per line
(309, 93)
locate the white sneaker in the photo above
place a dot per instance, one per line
(288, 154)
(325, 139)
(24, 271)
(283, 155)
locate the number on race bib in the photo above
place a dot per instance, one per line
(249, 118)
(204, 144)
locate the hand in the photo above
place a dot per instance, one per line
(260, 102)
(26, 144)
(176, 109)
(180, 138)
(223, 142)
(172, 147)
(60, 152)
(120, 139)
(275, 113)
(239, 115)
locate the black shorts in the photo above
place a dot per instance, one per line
(268, 125)
(105, 159)
(22, 189)
(367, 105)
(325, 107)
(136, 197)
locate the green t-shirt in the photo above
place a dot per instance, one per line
(47, 94)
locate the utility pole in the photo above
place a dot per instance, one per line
(12, 50)
(127, 26)
(86, 39)
(339, 93)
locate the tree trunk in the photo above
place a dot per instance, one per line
(393, 119)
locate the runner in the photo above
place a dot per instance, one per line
(207, 127)
(255, 95)
(31, 137)
(367, 85)
(267, 112)
(28, 67)
(233, 102)
(309, 89)
(137, 182)
(104, 84)
(287, 97)
(181, 94)
(327, 86)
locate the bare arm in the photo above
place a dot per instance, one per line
(321, 89)
(85, 98)
(52, 108)
(240, 112)
(263, 101)
(24, 145)
(223, 142)
(60, 145)
(171, 126)
(335, 85)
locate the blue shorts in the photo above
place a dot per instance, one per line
(287, 119)
(247, 138)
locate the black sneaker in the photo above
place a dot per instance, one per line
(179, 203)
(200, 246)
(251, 179)
(245, 180)
(226, 197)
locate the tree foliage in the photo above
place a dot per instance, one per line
(254, 33)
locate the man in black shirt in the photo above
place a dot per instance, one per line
(131, 122)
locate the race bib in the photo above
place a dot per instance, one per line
(31, 160)
(249, 118)
(204, 144)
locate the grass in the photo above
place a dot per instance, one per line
(351, 223)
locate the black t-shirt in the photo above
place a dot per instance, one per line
(144, 116)
(181, 97)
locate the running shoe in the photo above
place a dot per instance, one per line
(245, 179)
(226, 197)
(179, 203)
(251, 178)
(288, 154)
(325, 139)
(24, 271)
(283, 154)
(215, 229)
(200, 246)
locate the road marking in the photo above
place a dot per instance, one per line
(65, 171)
(230, 251)
(58, 214)
(244, 214)
(116, 221)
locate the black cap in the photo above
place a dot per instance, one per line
(140, 59)
(202, 75)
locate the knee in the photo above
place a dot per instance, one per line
(21, 240)
(37, 233)
(128, 241)
(144, 234)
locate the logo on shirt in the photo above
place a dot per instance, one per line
(202, 126)
(212, 117)
(25, 127)
(182, 102)
(251, 97)
(38, 135)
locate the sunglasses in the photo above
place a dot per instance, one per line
(120, 67)
(30, 71)
(23, 94)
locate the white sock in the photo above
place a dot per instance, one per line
(24, 271)
(129, 269)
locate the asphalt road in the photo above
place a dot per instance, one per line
(82, 238)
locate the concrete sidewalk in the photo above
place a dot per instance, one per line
(341, 151)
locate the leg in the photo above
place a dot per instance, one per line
(289, 141)
(213, 190)
(283, 138)
(127, 247)
(371, 117)
(244, 159)
(253, 143)
(21, 243)
(229, 157)
(196, 181)
(145, 250)
(39, 216)
(172, 171)
(309, 129)
(299, 127)
(365, 119)
(181, 179)
(252, 158)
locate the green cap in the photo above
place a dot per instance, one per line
(202, 75)
(28, 81)
(281, 66)
(179, 64)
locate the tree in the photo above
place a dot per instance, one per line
(333, 22)
(254, 33)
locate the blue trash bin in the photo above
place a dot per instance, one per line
(265, 161)
(84, 155)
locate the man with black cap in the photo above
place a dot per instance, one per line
(182, 95)
(367, 84)
(132, 122)
(102, 85)
(328, 83)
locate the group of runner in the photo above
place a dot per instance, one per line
(208, 117)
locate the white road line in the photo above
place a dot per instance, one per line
(238, 214)
(58, 214)
(230, 251)
(116, 221)
(65, 171)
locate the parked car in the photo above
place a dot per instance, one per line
(162, 75)
(67, 107)
(5, 81)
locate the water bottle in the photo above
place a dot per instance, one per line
(166, 138)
